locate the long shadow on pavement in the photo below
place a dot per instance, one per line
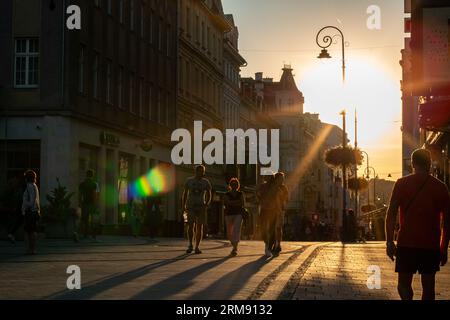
(177, 283)
(231, 283)
(92, 290)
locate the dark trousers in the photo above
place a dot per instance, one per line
(268, 228)
(17, 221)
(88, 225)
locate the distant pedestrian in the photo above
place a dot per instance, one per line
(267, 196)
(136, 213)
(31, 210)
(282, 197)
(14, 200)
(88, 199)
(423, 236)
(195, 201)
(234, 203)
(351, 226)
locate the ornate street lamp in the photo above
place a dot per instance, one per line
(327, 41)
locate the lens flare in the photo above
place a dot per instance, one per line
(157, 181)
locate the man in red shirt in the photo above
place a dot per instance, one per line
(423, 237)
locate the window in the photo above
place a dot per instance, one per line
(120, 88)
(131, 94)
(26, 63)
(188, 22)
(166, 109)
(108, 82)
(197, 29)
(81, 70)
(150, 104)
(208, 40)
(141, 97)
(188, 78)
(214, 51)
(121, 11)
(160, 36)
(158, 105)
(95, 76)
(132, 15)
(142, 20)
(203, 34)
(150, 27)
(168, 41)
(109, 7)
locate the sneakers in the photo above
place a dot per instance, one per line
(276, 251)
(190, 249)
(268, 252)
(11, 238)
(233, 253)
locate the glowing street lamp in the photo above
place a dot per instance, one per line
(327, 41)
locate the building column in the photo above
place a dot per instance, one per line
(115, 187)
(102, 158)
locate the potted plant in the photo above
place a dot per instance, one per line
(58, 216)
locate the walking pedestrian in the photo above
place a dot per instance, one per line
(88, 200)
(351, 226)
(15, 196)
(195, 201)
(423, 236)
(234, 203)
(267, 196)
(282, 198)
(31, 210)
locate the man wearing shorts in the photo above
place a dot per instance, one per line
(423, 237)
(195, 201)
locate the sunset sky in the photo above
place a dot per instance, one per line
(284, 31)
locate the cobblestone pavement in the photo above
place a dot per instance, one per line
(339, 271)
(127, 268)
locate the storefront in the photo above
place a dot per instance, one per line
(434, 120)
(64, 148)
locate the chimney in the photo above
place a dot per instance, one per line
(258, 76)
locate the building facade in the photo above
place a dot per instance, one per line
(201, 78)
(429, 77)
(102, 97)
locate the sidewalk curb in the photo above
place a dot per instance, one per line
(276, 288)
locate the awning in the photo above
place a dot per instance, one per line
(434, 115)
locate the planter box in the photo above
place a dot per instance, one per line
(58, 229)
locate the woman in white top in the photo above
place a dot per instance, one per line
(31, 209)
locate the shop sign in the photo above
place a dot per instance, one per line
(109, 139)
(146, 145)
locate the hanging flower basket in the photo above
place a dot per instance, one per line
(339, 156)
(357, 184)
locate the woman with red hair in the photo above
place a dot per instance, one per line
(234, 208)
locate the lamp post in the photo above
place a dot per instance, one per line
(367, 168)
(344, 176)
(327, 41)
(374, 181)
